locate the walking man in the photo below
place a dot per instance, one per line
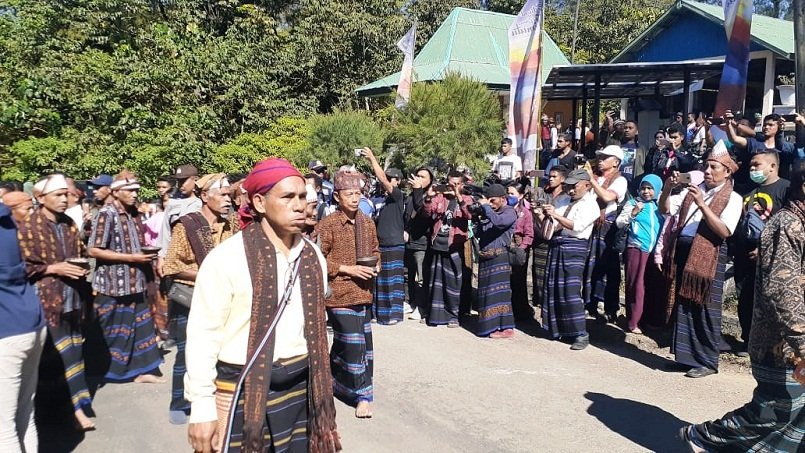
(196, 234)
(350, 245)
(54, 256)
(258, 373)
(122, 274)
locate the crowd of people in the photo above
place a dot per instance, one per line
(245, 274)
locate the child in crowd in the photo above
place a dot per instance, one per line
(644, 220)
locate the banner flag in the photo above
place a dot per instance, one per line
(525, 64)
(737, 25)
(406, 44)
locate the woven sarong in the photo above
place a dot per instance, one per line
(444, 287)
(774, 421)
(351, 357)
(390, 285)
(538, 265)
(66, 339)
(494, 295)
(286, 409)
(129, 334)
(697, 331)
(563, 306)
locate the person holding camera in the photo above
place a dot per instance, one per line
(603, 267)
(703, 217)
(495, 229)
(450, 216)
(390, 285)
(570, 228)
(553, 194)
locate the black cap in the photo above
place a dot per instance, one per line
(394, 173)
(495, 190)
(185, 171)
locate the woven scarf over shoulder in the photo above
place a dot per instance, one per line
(700, 268)
(262, 261)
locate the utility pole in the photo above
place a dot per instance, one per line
(799, 52)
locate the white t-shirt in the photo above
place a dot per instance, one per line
(583, 214)
(507, 166)
(730, 215)
(620, 186)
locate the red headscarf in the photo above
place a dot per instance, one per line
(265, 175)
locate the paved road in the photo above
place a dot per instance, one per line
(445, 390)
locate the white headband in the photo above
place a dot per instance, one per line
(50, 184)
(219, 184)
(125, 184)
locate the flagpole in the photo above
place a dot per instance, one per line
(799, 53)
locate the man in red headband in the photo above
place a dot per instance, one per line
(273, 314)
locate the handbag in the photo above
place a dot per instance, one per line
(615, 238)
(181, 294)
(517, 256)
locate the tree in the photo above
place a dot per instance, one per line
(454, 122)
(334, 137)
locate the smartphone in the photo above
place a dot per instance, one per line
(789, 117)
(537, 174)
(358, 152)
(716, 121)
(684, 178)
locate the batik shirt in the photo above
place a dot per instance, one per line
(778, 321)
(116, 230)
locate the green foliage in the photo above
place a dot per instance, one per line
(286, 138)
(454, 122)
(334, 137)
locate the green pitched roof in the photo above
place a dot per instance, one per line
(474, 44)
(774, 34)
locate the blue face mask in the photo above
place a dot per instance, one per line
(511, 200)
(758, 177)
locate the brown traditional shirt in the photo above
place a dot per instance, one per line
(338, 244)
(180, 255)
(778, 321)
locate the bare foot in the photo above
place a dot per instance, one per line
(363, 410)
(149, 379)
(83, 423)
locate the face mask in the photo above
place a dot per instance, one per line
(511, 200)
(758, 177)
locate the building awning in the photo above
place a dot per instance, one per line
(625, 80)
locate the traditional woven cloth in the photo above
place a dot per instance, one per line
(494, 295)
(444, 287)
(352, 355)
(321, 427)
(563, 306)
(390, 285)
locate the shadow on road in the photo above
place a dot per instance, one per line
(648, 426)
(613, 340)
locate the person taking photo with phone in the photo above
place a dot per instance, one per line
(703, 217)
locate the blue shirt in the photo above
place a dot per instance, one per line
(20, 310)
(496, 228)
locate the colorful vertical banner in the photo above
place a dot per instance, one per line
(406, 44)
(738, 26)
(525, 64)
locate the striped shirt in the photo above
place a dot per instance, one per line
(116, 230)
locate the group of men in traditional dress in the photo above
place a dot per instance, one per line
(250, 274)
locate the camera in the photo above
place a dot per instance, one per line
(579, 160)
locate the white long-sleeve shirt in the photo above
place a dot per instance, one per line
(220, 316)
